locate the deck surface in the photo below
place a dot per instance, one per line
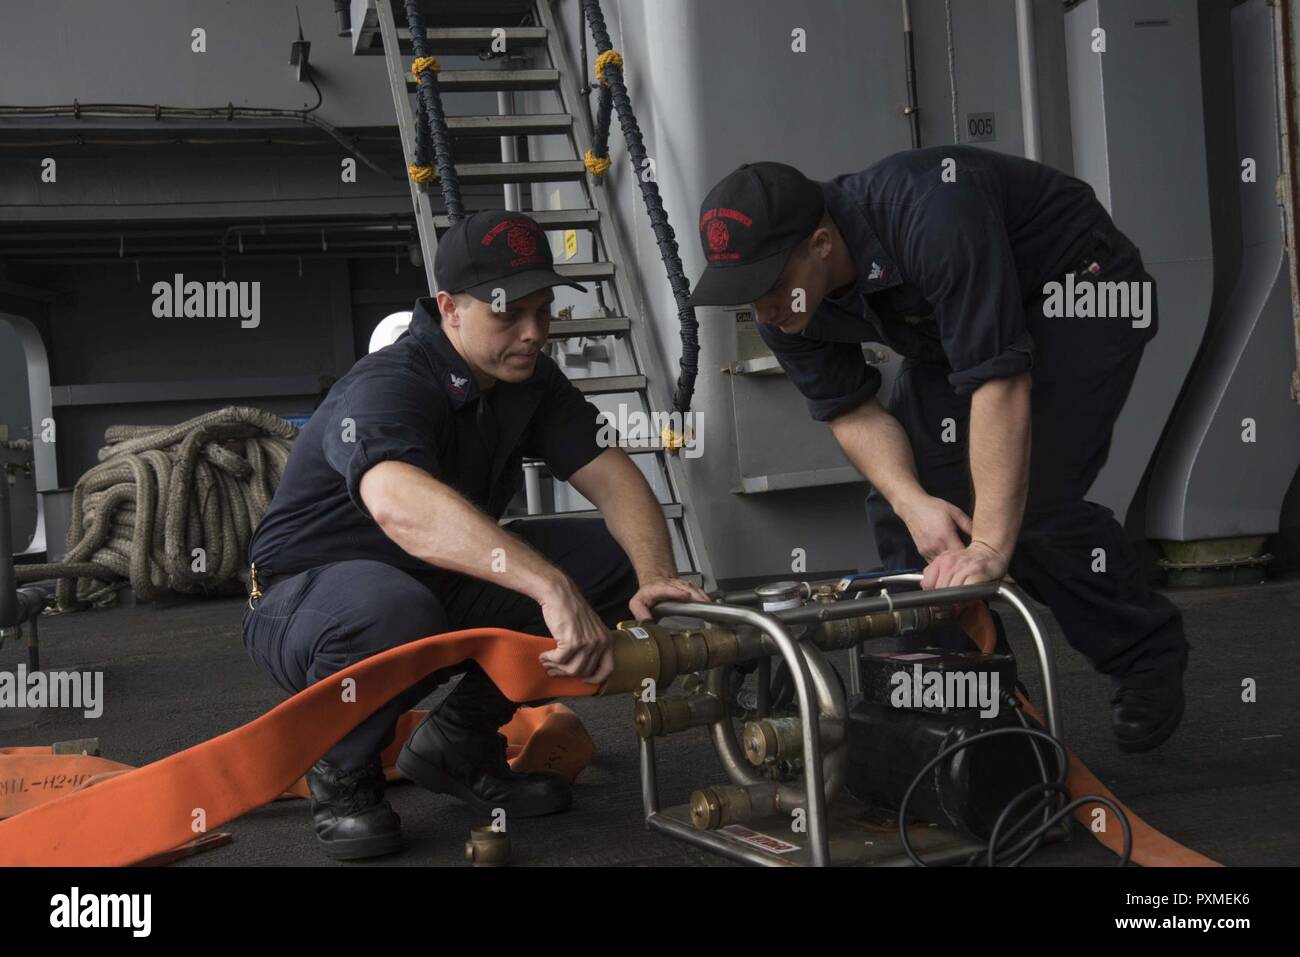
(1227, 784)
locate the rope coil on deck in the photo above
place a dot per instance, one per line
(161, 492)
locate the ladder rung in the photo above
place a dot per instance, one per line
(547, 218)
(541, 171)
(462, 39)
(511, 124)
(608, 384)
(671, 510)
(566, 218)
(585, 271)
(486, 81)
(611, 326)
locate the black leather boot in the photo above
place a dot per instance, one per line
(457, 750)
(1147, 708)
(351, 817)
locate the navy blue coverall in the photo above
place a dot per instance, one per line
(952, 274)
(336, 589)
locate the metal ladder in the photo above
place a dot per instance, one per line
(375, 31)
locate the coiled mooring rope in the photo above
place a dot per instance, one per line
(609, 72)
(170, 507)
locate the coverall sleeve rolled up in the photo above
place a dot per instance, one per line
(833, 377)
(388, 418)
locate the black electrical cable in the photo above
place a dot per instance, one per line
(948, 753)
(614, 91)
(999, 855)
(1034, 843)
(320, 97)
(1019, 712)
(1125, 855)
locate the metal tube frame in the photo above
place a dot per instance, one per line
(812, 746)
(774, 626)
(831, 705)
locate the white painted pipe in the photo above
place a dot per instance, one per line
(1028, 60)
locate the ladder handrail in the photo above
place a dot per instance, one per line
(406, 127)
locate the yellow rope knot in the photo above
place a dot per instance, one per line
(596, 165)
(424, 63)
(422, 174)
(604, 60)
(670, 439)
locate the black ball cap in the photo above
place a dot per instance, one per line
(496, 249)
(749, 224)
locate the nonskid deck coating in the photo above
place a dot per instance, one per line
(1227, 784)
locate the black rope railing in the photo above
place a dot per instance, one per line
(613, 93)
(431, 134)
(604, 106)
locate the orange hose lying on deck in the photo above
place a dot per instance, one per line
(537, 739)
(33, 776)
(137, 814)
(547, 738)
(134, 815)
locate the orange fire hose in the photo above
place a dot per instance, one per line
(154, 812)
(547, 738)
(138, 814)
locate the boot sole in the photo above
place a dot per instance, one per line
(432, 778)
(356, 848)
(1157, 737)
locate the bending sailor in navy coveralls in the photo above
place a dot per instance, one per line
(947, 255)
(383, 530)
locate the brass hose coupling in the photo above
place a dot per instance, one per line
(841, 633)
(487, 847)
(646, 651)
(655, 719)
(716, 807)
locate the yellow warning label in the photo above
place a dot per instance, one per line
(570, 243)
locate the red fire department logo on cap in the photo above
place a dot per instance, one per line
(521, 241)
(718, 235)
(521, 236)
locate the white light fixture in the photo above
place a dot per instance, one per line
(389, 328)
